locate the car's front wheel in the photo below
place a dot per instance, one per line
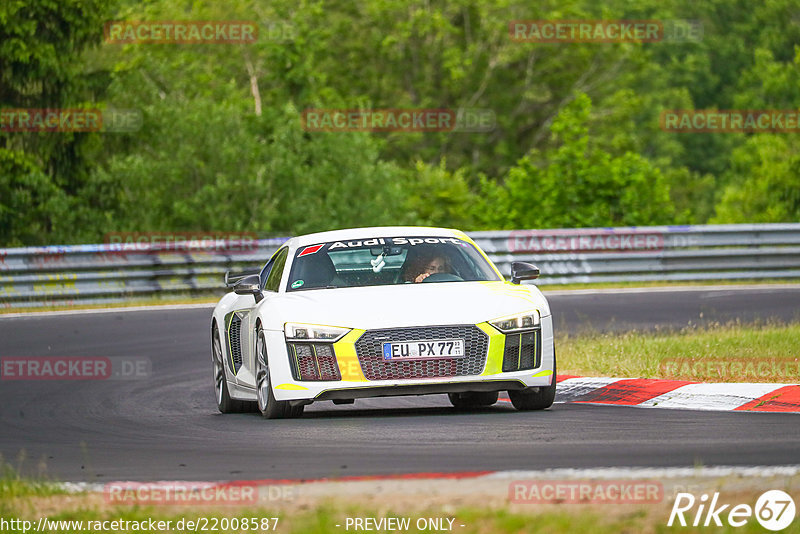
(470, 400)
(269, 407)
(535, 398)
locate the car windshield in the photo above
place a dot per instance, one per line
(387, 261)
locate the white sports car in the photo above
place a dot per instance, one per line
(373, 312)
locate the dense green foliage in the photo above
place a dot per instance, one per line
(221, 146)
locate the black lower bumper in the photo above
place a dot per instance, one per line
(420, 389)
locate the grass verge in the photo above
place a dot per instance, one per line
(88, 512)
(134, 302)
(734, 352)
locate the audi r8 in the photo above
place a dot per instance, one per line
(342, 315)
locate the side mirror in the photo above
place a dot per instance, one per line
(521, 270)
(249, 285)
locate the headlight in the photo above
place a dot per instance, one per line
(517, 323)
(314, 332)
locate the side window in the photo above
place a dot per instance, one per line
(273, 281)
(265, 271)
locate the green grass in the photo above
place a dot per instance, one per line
(709, 350)
(12, 485)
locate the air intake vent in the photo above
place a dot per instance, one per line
(235, 342)
(523, 351)
(313, 361)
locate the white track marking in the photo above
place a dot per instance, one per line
(653, 472)
(576, 387)
(156, 307)
(723, 397)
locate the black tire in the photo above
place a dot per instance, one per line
(538, 398)
(225, 403)
(269, 407)
(470, 400)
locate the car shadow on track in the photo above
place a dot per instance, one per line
(393, 407)
(400, 412)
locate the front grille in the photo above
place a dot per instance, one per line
(313, 361)
(522, 351)
(369, 348)
(234, 339)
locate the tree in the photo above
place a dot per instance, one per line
(580, 185)
(41, 46)
(28, 200)
(765, 186)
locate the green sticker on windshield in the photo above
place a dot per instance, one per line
(297, 283)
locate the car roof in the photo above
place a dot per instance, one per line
(372, 231)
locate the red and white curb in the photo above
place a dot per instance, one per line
(654, 393)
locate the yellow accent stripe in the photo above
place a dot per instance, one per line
(546, 372)
(294, 355)
(228, 338)
(346, 357)
(293, 387)
(497, 342)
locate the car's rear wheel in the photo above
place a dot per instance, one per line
(472, 399)
(269, 407)
(538, 398)
(225, 403)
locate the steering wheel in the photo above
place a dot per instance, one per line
(443, 277)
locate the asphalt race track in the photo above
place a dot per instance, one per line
(166, 426)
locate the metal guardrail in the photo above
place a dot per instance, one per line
(651, 253)
(36, 276)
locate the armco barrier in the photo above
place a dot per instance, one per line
(35, 276)
(675, 253)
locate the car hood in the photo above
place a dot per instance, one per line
(403, 305)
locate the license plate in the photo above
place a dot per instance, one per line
(431, 348)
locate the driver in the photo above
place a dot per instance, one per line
(420, 264)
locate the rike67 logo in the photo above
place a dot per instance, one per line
(774, 510)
